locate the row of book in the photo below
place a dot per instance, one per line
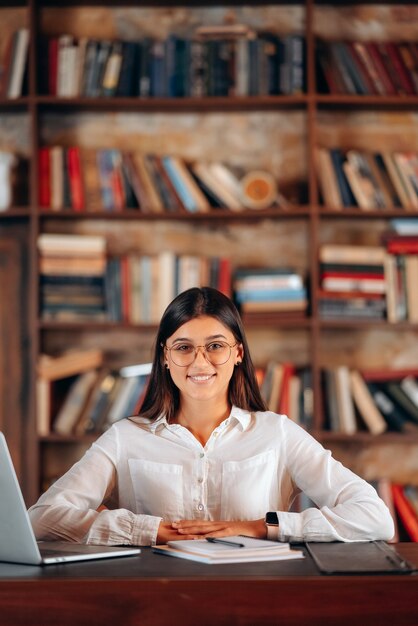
(269, 290)
(368, 180)
(79, 282)
(13, 65)
(372, 400)
(384, 68)
(77, 394)
(287, 390)
(235, 61)
(113, 180)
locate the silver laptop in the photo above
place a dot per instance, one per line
(17, 539)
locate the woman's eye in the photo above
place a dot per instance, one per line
(183, 348)
(213, 347)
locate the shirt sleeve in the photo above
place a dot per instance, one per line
(349, 508)
(71, 509)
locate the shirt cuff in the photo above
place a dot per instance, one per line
(290, 526)
(145, 530)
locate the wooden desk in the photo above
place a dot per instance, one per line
(156, 590)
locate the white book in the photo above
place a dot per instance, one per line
(410, 386)
(138, 369)
(345, 402)
(71, 244)
(224, 175)
(19, 61)
(166, 283)
(235, 549)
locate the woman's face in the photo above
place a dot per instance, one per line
(202, 379)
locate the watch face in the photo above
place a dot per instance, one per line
(271, 518)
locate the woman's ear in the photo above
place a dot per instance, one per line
(240, 354)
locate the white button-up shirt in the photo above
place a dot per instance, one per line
(146, 471)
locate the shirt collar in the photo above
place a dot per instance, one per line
(242, 416)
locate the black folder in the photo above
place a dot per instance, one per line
(372, 557)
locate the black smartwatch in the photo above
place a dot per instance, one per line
(272, 523)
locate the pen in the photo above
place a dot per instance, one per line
(225, 542)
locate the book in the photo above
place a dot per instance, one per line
(69, 363)
(346, 415)
(18, 63)
(365, 404)
(74, 403)
(248, 549)
(407, 514)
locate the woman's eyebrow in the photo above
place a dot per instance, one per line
(210, 338)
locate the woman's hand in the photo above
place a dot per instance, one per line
(196, 529)
(167, 532)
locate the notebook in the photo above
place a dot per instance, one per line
(236, 549)
(369, 557)
(17, 539)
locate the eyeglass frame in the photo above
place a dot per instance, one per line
(165, 347)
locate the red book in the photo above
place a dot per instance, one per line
(224, 279)
(401, 71)
(385, 374)
(284, 400)
(44, 178)
(75, 179)
(323, 294)
(379, 64)
(361, 68)
(117, 189)
(52, 66)
(388, 58)
(405, 511)
(355, 275)
(402, 247)
(125, 285)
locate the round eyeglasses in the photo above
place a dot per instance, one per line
(216, 352)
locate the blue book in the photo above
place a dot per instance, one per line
(347, 196)
(270, 295)
(179, 184)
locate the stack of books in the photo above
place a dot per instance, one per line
(353, 283)
(275, 290)
(235, 549)
(402, 278)
(72, 276)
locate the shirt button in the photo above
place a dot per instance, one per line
(200, 507)
(202, 454)
(200, 480)
(226, 422)
(215, 434)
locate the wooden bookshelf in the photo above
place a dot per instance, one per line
(283, 132)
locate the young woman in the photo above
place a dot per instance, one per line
(204, 457)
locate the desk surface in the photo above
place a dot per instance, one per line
(156, 590)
